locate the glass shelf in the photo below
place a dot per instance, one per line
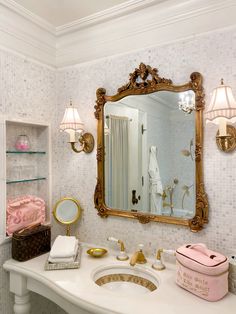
(28, 152)
(25, 180)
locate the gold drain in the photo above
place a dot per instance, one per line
(127, 278)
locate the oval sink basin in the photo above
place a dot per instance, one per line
(125, 279)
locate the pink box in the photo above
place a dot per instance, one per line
(202, 272)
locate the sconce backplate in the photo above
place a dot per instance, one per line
(227, 144)
(88, 140)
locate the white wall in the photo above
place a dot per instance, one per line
(28, 91)
(214, 56)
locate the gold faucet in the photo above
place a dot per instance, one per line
(138, 257)
(158, 264)
(122, 256)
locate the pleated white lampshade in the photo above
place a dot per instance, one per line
(71, 122)
(222, 107)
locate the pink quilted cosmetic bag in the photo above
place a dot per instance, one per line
(24, 211)
(202, 272)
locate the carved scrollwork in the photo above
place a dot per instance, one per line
(202, 203)
(142, 218)
(198, 152)
(196, 85)
(139, 78)
(98, 194)
(196, 223)
(99, 153)
(102, 212)
(101, 92)
(201, 216)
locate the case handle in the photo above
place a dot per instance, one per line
(29, 227)
(203, 249)
(199, 247)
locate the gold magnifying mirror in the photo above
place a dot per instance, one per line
(67, 211)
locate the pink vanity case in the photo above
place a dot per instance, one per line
(202, 271)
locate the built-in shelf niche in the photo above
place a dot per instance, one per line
(25, 172)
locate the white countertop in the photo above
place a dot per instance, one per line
(78, 287)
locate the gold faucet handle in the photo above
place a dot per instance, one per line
(122, 256)
(158, 264)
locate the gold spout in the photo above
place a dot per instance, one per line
(133, 259)
(138, 258)
(122, 246)
(159, 254)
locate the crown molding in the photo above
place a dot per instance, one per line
(131, 26)
(106, 15)
(99, 17)
(19, 34)
(158, 24)
(34, 18)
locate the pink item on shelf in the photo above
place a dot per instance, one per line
(24, 211)
(22, 143)
(202, 271)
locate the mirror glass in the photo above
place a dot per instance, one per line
(149, 163)
(67, 211)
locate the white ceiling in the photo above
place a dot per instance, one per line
(59, 12)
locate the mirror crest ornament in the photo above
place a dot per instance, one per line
(146, 80)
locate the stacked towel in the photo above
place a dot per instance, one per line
(64, 249)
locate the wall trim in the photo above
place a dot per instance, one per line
(122, 29)
(154, 25)
(20, 32)
(105, 15)
(34, 18)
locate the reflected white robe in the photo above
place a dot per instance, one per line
(155, 184)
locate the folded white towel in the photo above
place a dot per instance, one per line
(64, 246)
(65, 259)
(61, 260)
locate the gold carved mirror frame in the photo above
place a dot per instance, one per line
(146, 80)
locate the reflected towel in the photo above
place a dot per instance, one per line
(154, 172)
(64, 246)
(155, 184)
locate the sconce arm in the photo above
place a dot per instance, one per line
(87, 143)
(73, 146)
(227, 143)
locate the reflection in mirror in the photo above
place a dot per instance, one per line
(67, 211)
(149, 161)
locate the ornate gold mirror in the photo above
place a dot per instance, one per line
(67, 211)
(150, 151)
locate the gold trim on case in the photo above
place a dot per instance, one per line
(146, 80)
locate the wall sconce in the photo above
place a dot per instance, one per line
(72, 124)
(222, 109)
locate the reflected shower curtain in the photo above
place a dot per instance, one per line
(118, 152)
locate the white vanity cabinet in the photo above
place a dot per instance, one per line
(24, 172)
(76, 292)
